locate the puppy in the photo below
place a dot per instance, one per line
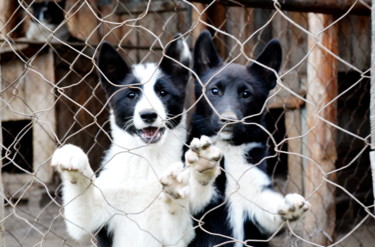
(144, 195)
(230, 111)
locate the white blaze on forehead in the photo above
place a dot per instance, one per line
(147, 74)
(185, 54)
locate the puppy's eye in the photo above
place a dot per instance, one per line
(215, 91)
(245, 94)
(163, 93)
(131, 95)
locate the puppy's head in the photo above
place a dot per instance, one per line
(234, 93)
(145, 99)
(51, 12)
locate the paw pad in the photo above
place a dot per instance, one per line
(175, 183)
(202, 155)
(294, 206)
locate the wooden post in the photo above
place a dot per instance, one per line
(2, 229)
(81, 22)
(198, 17)
(322, 71)
(214, 15)
(7, 9)
(2, 197)
(372, 98)
(295, 169)
(316, 6)
(217, 17)
(41, 100)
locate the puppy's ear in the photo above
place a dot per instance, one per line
(112, 67)
(271, 57)
(62, 4)
(205, 54)
(177, 50)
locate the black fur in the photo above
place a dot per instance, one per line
(241, 91)
(104, 238)
(52, 12)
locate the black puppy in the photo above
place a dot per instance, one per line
(230, 111)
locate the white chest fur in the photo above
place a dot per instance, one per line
(135, 168)
(245, 183)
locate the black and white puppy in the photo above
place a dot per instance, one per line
(47, 21)
(144, 195)
(232, 98)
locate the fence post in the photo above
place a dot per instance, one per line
(7, 7)
(372, 98)
(321, 147)
(2, 228)
(195, 18)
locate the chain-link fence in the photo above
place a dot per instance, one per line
(318, 114)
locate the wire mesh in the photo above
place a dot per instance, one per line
(319, 132)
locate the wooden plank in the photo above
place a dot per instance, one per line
(293, 41)
(163, 25)
(316, 6)
(282, 98)
(198, 17)
(81, 113)
(240, 24)
(81, 21)
(12, 82)
(40, 102)
(111, 33)
(7, 23)
(354, 43)
(322, 70)
(126, 7)
(287, 101)
(293, 128)
(216, 16)
(14, 184)
(295, 169)
(5, 48)
(372, 102)
(2, 199)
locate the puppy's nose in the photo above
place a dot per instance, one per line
(228, 117)
(148, 116)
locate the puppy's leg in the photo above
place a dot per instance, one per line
(272, 209)
(80, 197)
(203, 158)
(176, 215)
(175, 187)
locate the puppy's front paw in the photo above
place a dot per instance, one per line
(175, 183)
(204, 158)
(294, 206)
(71, 162)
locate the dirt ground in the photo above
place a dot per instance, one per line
(29, 224)
(36, 221)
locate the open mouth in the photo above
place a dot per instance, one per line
(151, 134)
(226, 132)
(228, 128)
(226, 135)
